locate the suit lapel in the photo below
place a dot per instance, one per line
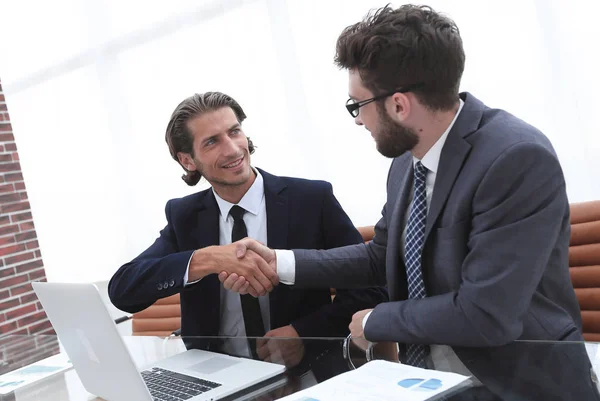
(451, 160)
(276, 201)
(207, 218)
(397, 273)
(453, 155)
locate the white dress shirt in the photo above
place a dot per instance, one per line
(443, 356)
(232, 319)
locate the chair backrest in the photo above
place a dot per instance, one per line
(160, 319)
(584, 264)
(164, 316)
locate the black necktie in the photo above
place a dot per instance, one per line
(250, 306)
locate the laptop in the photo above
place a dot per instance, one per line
(106, 369)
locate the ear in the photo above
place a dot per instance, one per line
(398, 107)
(186, 160)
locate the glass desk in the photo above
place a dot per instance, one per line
(519, 371)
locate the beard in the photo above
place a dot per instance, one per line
(393, 139)
(216, 180)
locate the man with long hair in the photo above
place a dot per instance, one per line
(205, 137)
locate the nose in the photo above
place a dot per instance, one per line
(357, 120)
(229, 147)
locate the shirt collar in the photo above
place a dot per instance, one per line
(250, 201)
(431, 160)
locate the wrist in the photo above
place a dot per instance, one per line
(202, 264)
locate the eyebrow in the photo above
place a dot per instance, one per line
(233, 127)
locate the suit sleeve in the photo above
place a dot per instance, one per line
(333, 319)
(516, 222)
(352, 266)
(156, 273)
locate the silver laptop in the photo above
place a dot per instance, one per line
(106, 369)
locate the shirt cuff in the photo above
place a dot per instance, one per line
(364, 322)
(286, 266)
(187, 271)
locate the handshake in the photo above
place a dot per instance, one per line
(245, 266)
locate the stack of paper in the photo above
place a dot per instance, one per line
(382, 381)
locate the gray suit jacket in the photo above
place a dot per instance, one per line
(495, 260)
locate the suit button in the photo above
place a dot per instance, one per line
(165, 285)
(172, 283)
(159, 286)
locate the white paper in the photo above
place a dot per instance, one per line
(381, 381)
(31, 373)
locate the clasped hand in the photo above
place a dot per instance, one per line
(255, 272)
(282, 345)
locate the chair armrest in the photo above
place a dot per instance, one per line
(122, 319)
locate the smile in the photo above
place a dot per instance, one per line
(234, 164)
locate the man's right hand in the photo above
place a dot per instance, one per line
(259, 276)
(244, 247)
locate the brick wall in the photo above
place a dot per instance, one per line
(20, 257)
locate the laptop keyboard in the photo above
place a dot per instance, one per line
(165, 385)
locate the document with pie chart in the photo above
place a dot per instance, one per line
(383, 381)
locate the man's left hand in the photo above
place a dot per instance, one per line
(356, 326)
(288, 351)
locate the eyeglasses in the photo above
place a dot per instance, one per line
(352, 106)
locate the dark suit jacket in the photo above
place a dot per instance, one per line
(300, 214)
(495, 260)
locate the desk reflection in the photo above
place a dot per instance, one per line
(532, 371)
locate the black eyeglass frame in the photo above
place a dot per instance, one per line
(353, 108)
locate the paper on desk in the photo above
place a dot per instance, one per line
(31, 373)
(381, 381)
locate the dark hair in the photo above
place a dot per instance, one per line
(178, 136)
(411, 45)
